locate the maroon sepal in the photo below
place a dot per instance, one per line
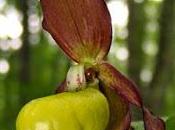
(128, 90)
(82, 28)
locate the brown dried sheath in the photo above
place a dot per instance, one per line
(128, 90)
(82, 28)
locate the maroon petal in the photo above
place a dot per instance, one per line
(128, 90)
(119, 83)
(120, 118)
(152, 122)
(126, 122)
(82, 28)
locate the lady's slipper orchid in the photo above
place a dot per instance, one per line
(82, 28)
(82, 110)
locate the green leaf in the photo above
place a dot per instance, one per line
(170, 123)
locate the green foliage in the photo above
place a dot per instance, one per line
(15, 3)
(138, 125)
(170, 123)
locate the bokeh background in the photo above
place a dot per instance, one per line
(32, 66)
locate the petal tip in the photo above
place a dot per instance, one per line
(151, 122)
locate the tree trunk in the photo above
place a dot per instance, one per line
(165, 67)
(24, 55)
(136, 29)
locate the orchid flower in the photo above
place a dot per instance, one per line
(83, 30)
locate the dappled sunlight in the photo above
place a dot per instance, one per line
(122, 53)
(13, 25)
(156, 0)
(34, 39)
(10, 25)
(139, 1)
(15, 44)
(146, 75)
(119, 12)
(152, 27)
(4, 45)
(2, 4)
(4, 66)
(10, 30)
(34, 24)
(3, 26)
(150, 48)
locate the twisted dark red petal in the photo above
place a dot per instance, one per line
(120, 118)
(82, 28)
(152, 122)
(128, 90)
(127, 121)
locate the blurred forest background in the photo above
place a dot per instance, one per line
(32, 66)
